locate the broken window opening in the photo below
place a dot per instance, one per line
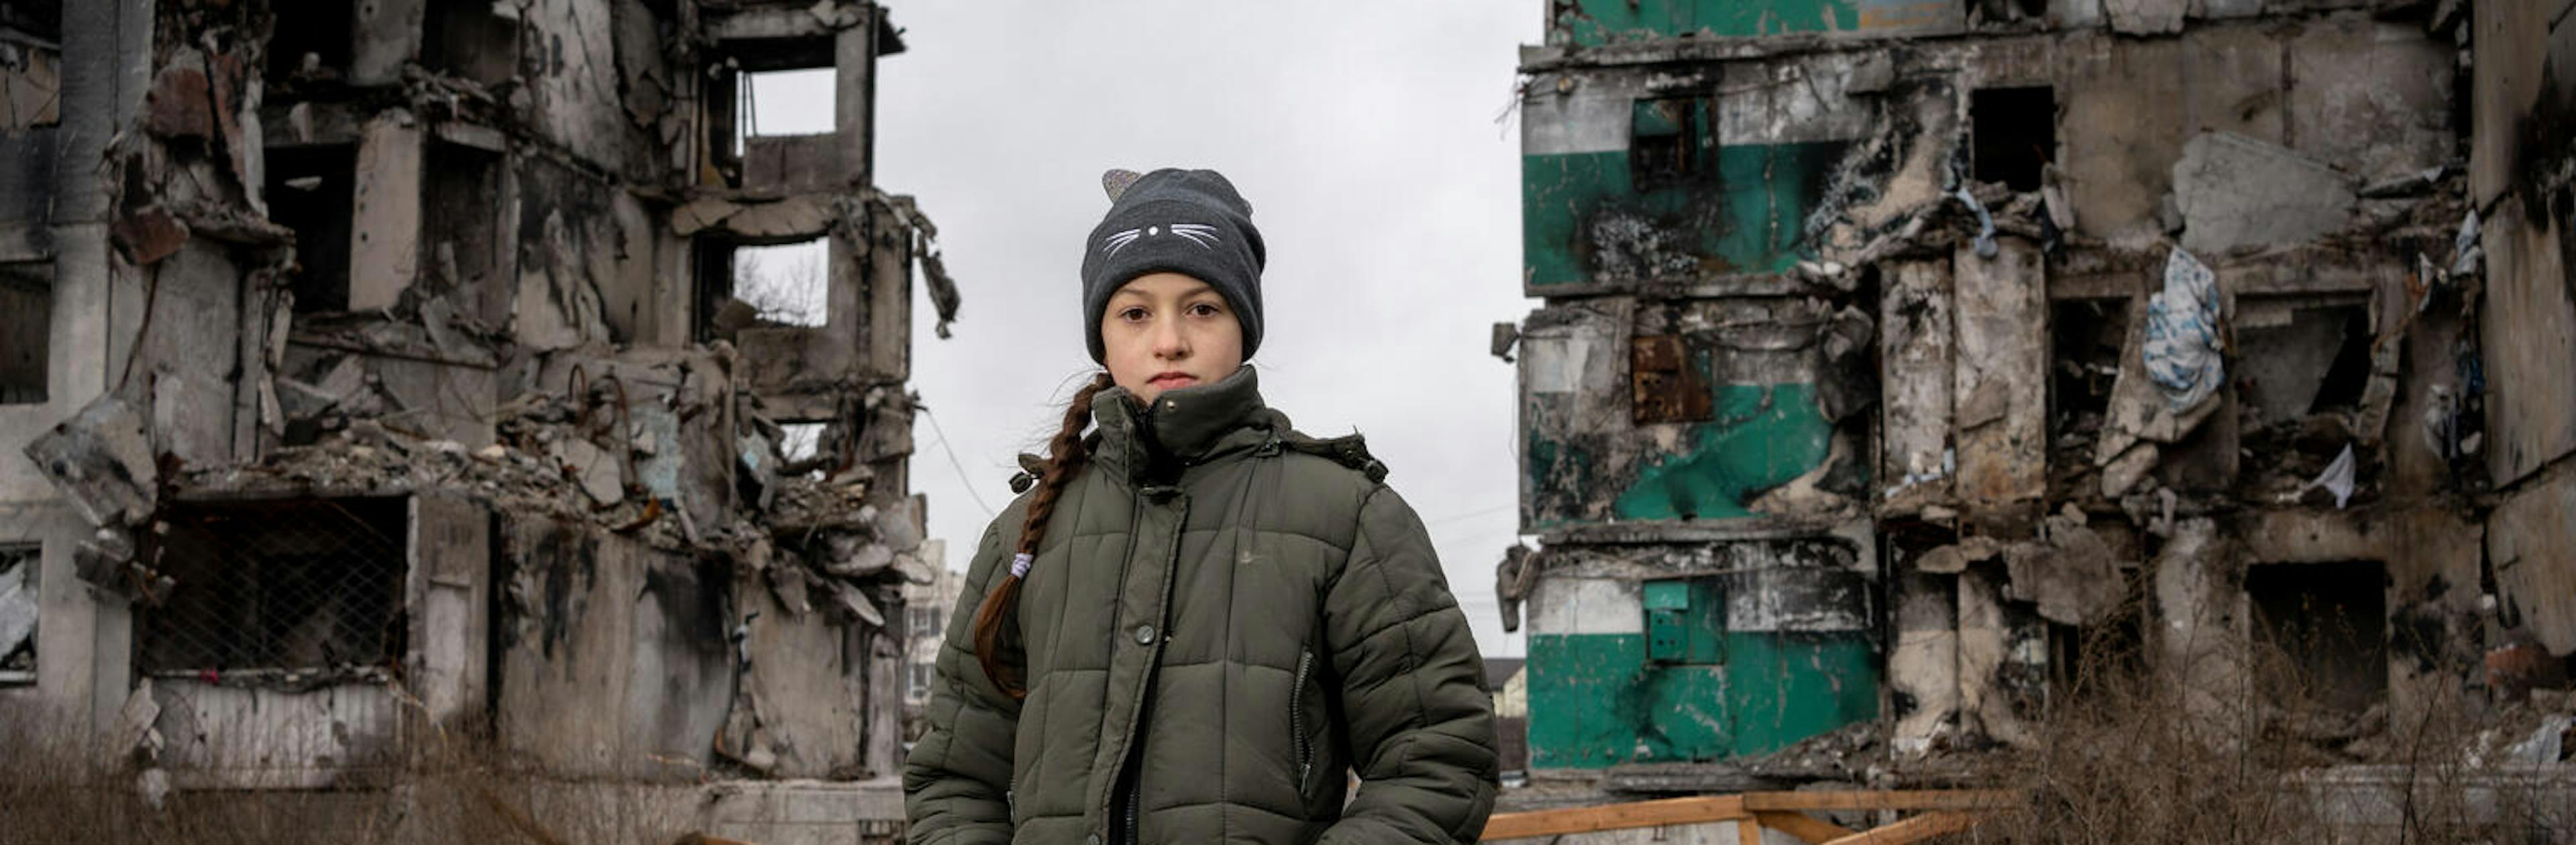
(743, 285)
(19, 606)
(799, 442)
(26, 331)
(294, 584)
(313, 45)
(917, 687)
(2328, 626)
(2087, 335)
(787, 102)
(470, 41)
(313, 191)
(2349, 376)
(778, 86)
(1670, 140)
(457, 210)
(38, 19)
(2013, 134)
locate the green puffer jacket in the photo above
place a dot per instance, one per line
(1214, 631)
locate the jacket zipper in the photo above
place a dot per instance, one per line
(1297, 719)
(1132, 771)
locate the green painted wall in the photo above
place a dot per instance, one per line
(1595, 700)
(1743, 216)
(1763, 437)
(1591, 23)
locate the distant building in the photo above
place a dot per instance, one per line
(926, 608)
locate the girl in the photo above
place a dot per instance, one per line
(1199, 618)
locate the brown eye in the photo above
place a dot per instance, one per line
(1205, 309)
(1132, 313)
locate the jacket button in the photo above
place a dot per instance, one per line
(1144, 635)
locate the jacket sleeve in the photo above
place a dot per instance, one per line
(955, 784)
(1412, 686)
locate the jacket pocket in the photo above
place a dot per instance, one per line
(1298, 729)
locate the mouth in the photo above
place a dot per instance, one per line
(1167, 381)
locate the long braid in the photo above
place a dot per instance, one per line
(1065, 458)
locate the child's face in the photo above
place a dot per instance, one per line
(1165, 331)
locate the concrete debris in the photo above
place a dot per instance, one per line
(2145, 17)
(598, 472)
(101, 461)
(2237, 191)
(2408, 186)
(134, 722)
(1955, 558)
(2073, 575)
(857, 604)
(2124, 472)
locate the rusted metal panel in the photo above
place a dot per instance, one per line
(1667, 384)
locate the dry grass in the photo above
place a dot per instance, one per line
(2129, 754)
(57, 788)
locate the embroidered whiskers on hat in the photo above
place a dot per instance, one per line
(1175, 221)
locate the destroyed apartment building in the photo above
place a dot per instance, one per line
(380, 372)
(1896, 353)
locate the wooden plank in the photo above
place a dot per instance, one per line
(1692, 810)
(1919, 799)
(1748, 831)
(1805, 827)
(1914, 829)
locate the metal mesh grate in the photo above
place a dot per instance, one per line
(283, 584)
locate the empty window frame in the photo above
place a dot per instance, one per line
(2014, 134)
(467, 39)
(294, 584)
(920, 678)
(1671, 140)
(26, 331)
(461, 225)
(313, 191)
(19, 607)
(741, 286)
(2327, 625)
(778, 86)
(313, 44)
(38, 19)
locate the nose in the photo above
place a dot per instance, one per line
(1169, 345)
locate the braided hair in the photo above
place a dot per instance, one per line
(1066, 456)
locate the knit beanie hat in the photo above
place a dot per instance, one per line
(1177, 221)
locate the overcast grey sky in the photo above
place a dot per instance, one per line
(1366, 138)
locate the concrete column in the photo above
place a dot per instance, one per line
(384, 247)
(855, 105)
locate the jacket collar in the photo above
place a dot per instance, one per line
(1186, 426)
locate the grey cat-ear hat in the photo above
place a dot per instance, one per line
(1175, 221)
